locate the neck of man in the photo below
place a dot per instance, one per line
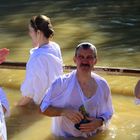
(84, 77)
(87, 84)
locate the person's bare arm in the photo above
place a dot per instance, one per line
(137, 90)
(73, 115)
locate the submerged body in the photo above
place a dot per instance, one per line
(80, 88)
(71, 96)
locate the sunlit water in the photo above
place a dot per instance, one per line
(114, 28)
(27, 123)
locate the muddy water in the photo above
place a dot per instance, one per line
(27, 123)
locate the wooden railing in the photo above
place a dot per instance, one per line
(108, 70)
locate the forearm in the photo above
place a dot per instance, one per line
(53, 111)
(73, 115)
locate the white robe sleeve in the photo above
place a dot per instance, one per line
(4, 102)
(55, 96)
(36, 80)
(107, 110)
(52, 94)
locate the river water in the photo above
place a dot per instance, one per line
(112, 26)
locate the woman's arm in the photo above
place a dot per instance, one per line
(137, 90)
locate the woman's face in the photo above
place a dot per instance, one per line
(33, 35)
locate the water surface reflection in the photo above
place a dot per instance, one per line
(113, 26)
(27, 123)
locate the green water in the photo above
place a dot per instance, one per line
(113, 26)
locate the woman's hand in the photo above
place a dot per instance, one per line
(3, 54)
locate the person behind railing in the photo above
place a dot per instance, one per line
(80, 102)
(4, 104)
(45, 62)
(137, 92)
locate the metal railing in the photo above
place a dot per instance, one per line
(108, 70)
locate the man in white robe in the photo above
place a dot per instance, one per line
(79, 88)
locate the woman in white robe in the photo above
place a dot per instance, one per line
(44, 64)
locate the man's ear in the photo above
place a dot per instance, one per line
(95, 61)
(38, 32)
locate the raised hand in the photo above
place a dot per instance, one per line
(3, 54)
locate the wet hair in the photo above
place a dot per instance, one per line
(85, 46)
(42, 23)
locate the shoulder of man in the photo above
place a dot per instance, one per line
(63, 79)
(100, 79)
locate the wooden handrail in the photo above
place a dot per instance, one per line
(108, 70)
(13, 65)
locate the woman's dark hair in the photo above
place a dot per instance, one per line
(42, 23)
